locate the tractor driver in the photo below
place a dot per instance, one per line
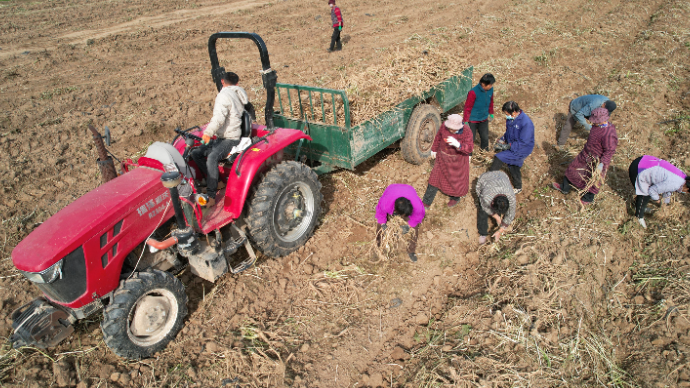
(226, 126)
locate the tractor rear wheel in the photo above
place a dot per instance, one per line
(285, 208)
(146, 313)
(425, 121)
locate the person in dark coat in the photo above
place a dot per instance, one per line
(337, 22)
(597, 154)
(452, 148)
(519, 141)
(580, 109)
(479, 109)
(652, 179)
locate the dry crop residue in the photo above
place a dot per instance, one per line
(568, 297)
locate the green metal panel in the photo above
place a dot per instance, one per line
(330, 144)
(453, 91)
(334, 146)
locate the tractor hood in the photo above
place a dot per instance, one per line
(90, 216)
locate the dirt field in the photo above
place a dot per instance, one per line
(567, 298)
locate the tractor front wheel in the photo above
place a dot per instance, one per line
(284, 209)
(146, 313)
(425, 121)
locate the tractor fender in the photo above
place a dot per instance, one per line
(253, 162)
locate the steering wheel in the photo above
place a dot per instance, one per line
(185, 134)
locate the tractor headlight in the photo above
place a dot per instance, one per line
(46, 276)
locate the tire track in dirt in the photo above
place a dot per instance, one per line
(157, 21)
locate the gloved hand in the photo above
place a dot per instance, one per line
(482, 240)
(491, 118)
(641, 221)
(384, 227)
(600, 167)
(205, 139)
(412, 256)
(466, 123)
(433, 155)
(667, 200)
(453, 142)
(340, 28)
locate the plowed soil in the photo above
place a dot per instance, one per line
(570, 297)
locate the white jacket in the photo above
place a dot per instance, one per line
(227, 113)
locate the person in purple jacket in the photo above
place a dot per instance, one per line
(400, 200)
(517, 143)
(654, 178)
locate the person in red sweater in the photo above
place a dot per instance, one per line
(337, 22)
(479, 109)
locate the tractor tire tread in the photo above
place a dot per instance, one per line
(408, 146)
(115, 315)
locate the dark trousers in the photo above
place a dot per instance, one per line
(570, 121)
(641, 201)
(207, 157)
(335, 40)
(482, 222)
(483, 129)
(565, 187)
(430, 194)
(515, 171)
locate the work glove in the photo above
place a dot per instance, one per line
(453, 141)
(433, 155)
(491, 118)
(600, 167)
(340, 28)
(667, 200)
(205, 139)
(641, 221)
(412, 256)
(482, 240)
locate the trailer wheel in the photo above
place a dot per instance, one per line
(146, 313)
(425, 121)
(284, 208)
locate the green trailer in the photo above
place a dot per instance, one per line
(324, 114)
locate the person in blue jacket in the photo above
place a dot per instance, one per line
(580, 110)
(517, 142)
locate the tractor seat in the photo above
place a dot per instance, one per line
(246, 128)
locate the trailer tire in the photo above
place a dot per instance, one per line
(284, 208)
(152, 301)
(422, 127)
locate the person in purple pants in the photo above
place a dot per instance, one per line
(400, 200)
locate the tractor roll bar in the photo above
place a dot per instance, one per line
(268, 75)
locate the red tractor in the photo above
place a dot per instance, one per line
(117, 248)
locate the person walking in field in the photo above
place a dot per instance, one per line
(596, 155)
(479, 109)
(400, 200)
(580, 110)
(452, 148)
(654, 178)
(496, 200)
(337, 22)
(517, 143)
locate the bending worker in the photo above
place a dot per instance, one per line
(597, 154)
(654, 178)
(226, 126)
(580, 109)
(400, 200)
(496, 199)
(517, 143)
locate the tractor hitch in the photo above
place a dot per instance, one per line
(39, 323)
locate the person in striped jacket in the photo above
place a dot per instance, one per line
(496, 199)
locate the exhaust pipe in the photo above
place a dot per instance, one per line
(105, 162)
